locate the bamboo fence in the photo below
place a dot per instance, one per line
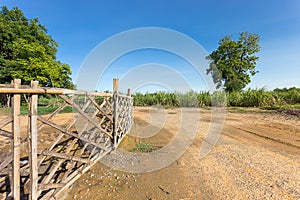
(51, 153)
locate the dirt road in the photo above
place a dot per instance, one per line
(256, 157)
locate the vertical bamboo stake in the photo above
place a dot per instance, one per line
(115, 113)
(33, 143)
(130, 110)
(16, 142)
(128, 92)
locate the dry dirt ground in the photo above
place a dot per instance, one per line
(256, 157)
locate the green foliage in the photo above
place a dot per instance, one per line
(247, 110)
(234, 98)
(188, 99)
(257, 98)
(218, 98)
(49, 100)
(27, 52)
(204, 99)
(234, 61)
(288, 95)
(158, 98)
(248, 98)
(143, 147)
(42, 110)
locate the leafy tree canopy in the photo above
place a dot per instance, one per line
(27, 52)
(234, 62)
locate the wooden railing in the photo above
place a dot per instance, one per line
(49, 152)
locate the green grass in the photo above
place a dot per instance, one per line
(42, 110)
(143, 147)
(245, 110)
(5, 110)
(282, 107)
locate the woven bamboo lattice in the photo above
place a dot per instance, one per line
(124, 117)
(53, 150)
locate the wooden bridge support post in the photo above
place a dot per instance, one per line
(16, 142)
(33, 163)
(115, 111)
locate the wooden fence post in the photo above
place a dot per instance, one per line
(16, 142)
(33, 163)
(115, 109)
(128, 92)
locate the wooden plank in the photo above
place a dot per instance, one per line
(44, 90)
(16, 142)
(6, 134)
(62, 156)
(129, 92)
(115, 111)
(124, 96)
(115, 85)
(33, 163)
(6, 162)
(5, 122)
(48, 186)
(12, 85)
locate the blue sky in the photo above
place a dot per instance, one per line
(79, 26)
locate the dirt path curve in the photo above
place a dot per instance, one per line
(256, 157)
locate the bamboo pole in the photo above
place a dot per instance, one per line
(84, 114)
(16, 89)
(99, 108)
(16, 142)
(63, 156)
(51, 186)
(33, 144)
(5, 121)
(128, 92)
(115, 111)
(123, 95)
(6, 162)
(44, 90)
(76, 175)
(56, 126)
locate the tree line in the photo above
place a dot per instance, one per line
(28, 52)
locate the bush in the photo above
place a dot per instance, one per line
(249, 98)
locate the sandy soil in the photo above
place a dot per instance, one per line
(256, 157)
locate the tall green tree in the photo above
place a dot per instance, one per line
(27, 52)
(234, 62)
